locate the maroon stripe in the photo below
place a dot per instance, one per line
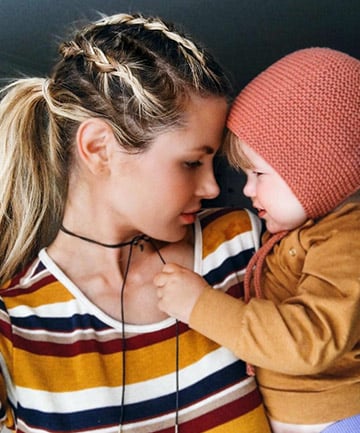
(13, 292)
(237, 290)
(114, 345)
(67, 350)
(220, 416)
(159, 336)
(6, 329)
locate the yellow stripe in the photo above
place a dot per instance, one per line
(224, 229)
(54, 291)
(161, 357)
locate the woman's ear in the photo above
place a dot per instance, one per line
(93, 140)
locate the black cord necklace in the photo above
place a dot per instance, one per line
(134, 242)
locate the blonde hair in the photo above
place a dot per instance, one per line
(134, 72)
(232, 149)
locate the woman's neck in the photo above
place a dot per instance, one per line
(99, 273)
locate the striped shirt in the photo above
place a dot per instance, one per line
(62, 358)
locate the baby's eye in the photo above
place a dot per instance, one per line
(193, 164)
(257, 173)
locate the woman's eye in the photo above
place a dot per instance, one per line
(193, 164)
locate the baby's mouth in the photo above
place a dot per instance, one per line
(261, 212)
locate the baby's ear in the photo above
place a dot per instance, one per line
(93, 139)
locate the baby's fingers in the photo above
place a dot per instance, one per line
(162, 277)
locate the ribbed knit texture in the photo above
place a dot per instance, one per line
(302, 115)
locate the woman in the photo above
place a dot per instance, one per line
(105, 164)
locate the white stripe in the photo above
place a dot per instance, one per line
(230, 281)
(26, 428)
(256, 228)
(29, 279)
(93, 398)
(65, 337)
(67, 309)
(232, 247)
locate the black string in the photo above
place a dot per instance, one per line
(133, 242)
(177, 352)
(122, 408)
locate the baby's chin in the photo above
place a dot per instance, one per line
(274, 228)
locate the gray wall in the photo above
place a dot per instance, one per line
(244, 35)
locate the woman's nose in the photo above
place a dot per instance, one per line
(208, 188)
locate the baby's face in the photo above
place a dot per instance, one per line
(271, 195)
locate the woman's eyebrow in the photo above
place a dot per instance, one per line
(206, 149)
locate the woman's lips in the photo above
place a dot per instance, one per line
(188, 217)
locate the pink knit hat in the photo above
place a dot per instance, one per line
(302, 115)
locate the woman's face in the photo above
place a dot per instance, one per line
(159, 191)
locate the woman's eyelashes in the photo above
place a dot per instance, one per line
(193, 164)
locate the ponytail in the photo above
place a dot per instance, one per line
(30, 204)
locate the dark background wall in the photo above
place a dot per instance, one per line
(244, 35)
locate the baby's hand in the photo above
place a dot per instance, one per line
(178, 290)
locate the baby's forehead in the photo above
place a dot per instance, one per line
(251, 157)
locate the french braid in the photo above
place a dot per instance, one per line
(109, 67)
(158, 25)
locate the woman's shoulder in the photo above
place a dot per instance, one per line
(28, 282)
(219, 225)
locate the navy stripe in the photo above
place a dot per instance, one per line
(229, 266)
(62, 324)
(208, 386)
(2, 305)
(75, 421)
(2, 412)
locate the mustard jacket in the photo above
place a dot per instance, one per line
(304, 337)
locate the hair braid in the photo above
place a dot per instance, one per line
(195, 57)
(155, 24)
(110, 68)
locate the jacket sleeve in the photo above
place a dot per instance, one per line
(317, 324)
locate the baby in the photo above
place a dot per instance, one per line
(295, 131)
